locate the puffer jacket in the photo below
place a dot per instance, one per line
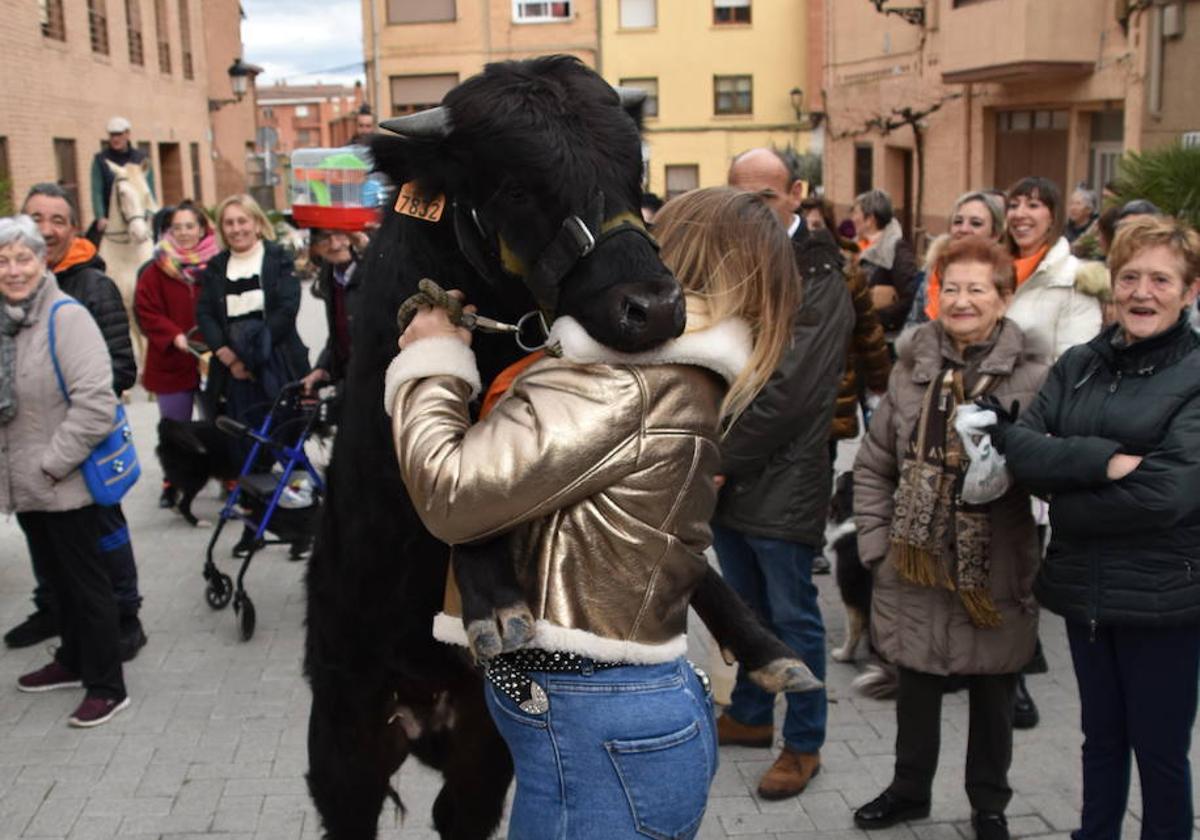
(776, 457)
(868, 359)
(600, 465)
(49, 437)
(1121, 552)
(82, 276)
(1052, 307)
(926, 628)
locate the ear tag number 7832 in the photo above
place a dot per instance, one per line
(409, 202)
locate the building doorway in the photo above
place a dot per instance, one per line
(170, 163)
(1031, 143)
(898, 182)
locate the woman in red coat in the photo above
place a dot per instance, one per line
(165, 306)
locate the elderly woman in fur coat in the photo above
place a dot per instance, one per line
(953, 581)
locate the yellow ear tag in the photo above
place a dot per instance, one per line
(409, 202)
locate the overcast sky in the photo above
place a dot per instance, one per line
(294, 39)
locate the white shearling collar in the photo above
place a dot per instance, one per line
(723, 348)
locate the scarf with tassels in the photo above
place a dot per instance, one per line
(931, 518)
(14, 317)
(185, 264)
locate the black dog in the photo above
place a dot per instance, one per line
(191, 453)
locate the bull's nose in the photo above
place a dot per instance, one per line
(656, 316)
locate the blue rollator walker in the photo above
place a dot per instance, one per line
(259, 499)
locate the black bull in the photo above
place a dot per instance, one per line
(532, 144)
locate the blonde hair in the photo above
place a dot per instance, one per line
(727, 247)
(1134, 235)
(266, 230)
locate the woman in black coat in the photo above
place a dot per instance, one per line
(1113, 439)
(249, 299)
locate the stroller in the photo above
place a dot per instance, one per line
(282, 500)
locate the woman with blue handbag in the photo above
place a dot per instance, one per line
(57, 407)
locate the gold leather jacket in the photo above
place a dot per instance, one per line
(600, 465)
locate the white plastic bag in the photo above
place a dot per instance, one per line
(987, 477)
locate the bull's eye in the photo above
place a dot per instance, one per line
(515, 192)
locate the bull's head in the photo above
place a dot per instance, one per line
(540, 168)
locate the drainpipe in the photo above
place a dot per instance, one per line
(597, 54)
(376, 79)
(969, 104)
(1155, 86)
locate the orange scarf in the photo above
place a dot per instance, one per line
(1025, 266)
(933, 290)
(81, 251)
(504, 381)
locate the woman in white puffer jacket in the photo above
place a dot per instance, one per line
(1049, 303)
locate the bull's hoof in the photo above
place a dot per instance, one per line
(516, 622)
(484, 638)
(785, 675)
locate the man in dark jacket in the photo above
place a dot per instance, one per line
(119, 151)
(80, 273)
(337, 286)
(770, 520)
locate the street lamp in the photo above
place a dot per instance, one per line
(240, 76)
(813, 118)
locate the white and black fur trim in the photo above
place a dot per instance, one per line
(449, 628)
(723, 348)
(435, 356)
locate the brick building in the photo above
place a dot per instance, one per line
(70, 65)
(308, 115)
(999, 89)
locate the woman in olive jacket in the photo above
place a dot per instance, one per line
(1113, 440)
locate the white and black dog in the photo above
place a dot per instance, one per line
(854, 581)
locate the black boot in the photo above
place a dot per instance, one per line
(132, 638)
(989, 825)
(1025, 713)
(40, 626)
(167, 499)
(887, 809)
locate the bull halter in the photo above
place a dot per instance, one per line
(578, 236)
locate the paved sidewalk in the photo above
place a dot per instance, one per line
(213, 744)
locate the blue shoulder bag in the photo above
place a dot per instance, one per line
(112, 467)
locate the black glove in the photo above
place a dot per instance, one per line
(1004, 418)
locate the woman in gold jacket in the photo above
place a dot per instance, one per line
(602, 466)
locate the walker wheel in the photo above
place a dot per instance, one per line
(245, 609)
(219, 591)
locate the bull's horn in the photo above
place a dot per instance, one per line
(630, 96)
(434, 122)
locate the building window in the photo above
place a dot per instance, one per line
(682, 178)
(864, 169)
(529, 11)
(639, 14)
(53, 24)
(417, 93)
(731, 11)
(133, 31)
(6, 205)
(650, 85)
(66, 169)
(733, 95)
(160, 33)
(301, 111)
(197, 181)
(307, 137)
(185, 40)
(420, 11)
(98, 26)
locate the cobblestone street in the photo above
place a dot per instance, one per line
(213, 744)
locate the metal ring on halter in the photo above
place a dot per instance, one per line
(537, 313)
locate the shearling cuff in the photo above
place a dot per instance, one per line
(437, 356)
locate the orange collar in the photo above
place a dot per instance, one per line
(81, 251)
(1025, 266)
(504, 381)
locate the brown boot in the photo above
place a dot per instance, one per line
(789, 775)
(734, 734)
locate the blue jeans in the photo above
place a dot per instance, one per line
(623, 752)
(1137, 694)
(775, 578)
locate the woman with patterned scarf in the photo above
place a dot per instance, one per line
(165, 306)
(953, 581)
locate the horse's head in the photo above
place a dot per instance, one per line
(132, 202)
(539, 166)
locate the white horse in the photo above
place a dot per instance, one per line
(128, 242)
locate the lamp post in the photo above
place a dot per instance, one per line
(240, 76)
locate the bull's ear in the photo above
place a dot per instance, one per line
(431, 123)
